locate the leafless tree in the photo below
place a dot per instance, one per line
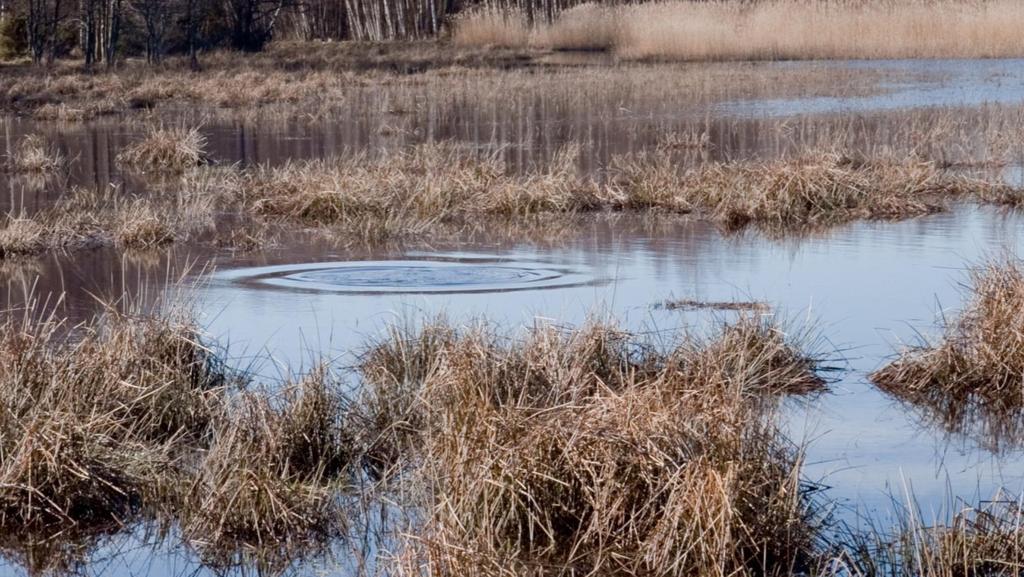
(42, 22)
(253, 22)
(156, 17)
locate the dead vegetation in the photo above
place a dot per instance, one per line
(312, 81)
(969, 381)
(88, 219)
(92, 415)
(443, 188)
(130, 420)
(274, 474)
(558, 450)
(175, 148)
(768, 30)
(423, 188)
(589, 452)
(959, 539)
(33, 154)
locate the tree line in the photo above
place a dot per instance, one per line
(101, 31)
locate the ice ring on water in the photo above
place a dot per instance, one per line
(411, 276)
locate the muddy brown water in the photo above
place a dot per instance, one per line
(864, 288)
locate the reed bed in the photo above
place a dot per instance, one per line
(130, 420)
(589, 452)
(33, 154)
(311, 81)
(431, 186)
(274, 473)
(442, 188)
(410, 192)
(814, 189)
(92, 415)
(768, 30)
(88, 219)
(971, 379)
(175, 148)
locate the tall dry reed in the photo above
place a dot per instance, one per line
(590, 452)
(776, 29)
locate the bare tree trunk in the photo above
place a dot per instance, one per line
(114, 32)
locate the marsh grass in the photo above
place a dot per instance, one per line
(275, 474)
(87, 218)
(91, 414)
(129, 420)
(814, 189)
(429, 187)
(589, 451)
(959, 539)
(409, 192)
(769, 30)
(33, 154)
(971, 377)
(174, 148)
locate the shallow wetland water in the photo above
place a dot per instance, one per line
(864, 288)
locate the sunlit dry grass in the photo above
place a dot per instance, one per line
(166, 148)
(587, 451)
(969, 381)
(91, 414)
(88, 219)
(769, 30)
(273, 475)
(33, 154)
(414, 191)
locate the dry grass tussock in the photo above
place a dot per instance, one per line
(424, 188)
(129, 418)
(88, 219)
(588, 452)
(92, 415)
(33, 154)
(274, 474)
(813, 189)
(971, 378)
(770, 30)
(166, 148)
(410, 192)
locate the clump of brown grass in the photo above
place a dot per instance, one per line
(140, 226)
(90, 415)
(812, 190)
(972, 376)
(271, 478)
(34, 154)
(591, 452)
(408, 192)
(88, 218)
(430, 187)
(22, 236)
(173, 148)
